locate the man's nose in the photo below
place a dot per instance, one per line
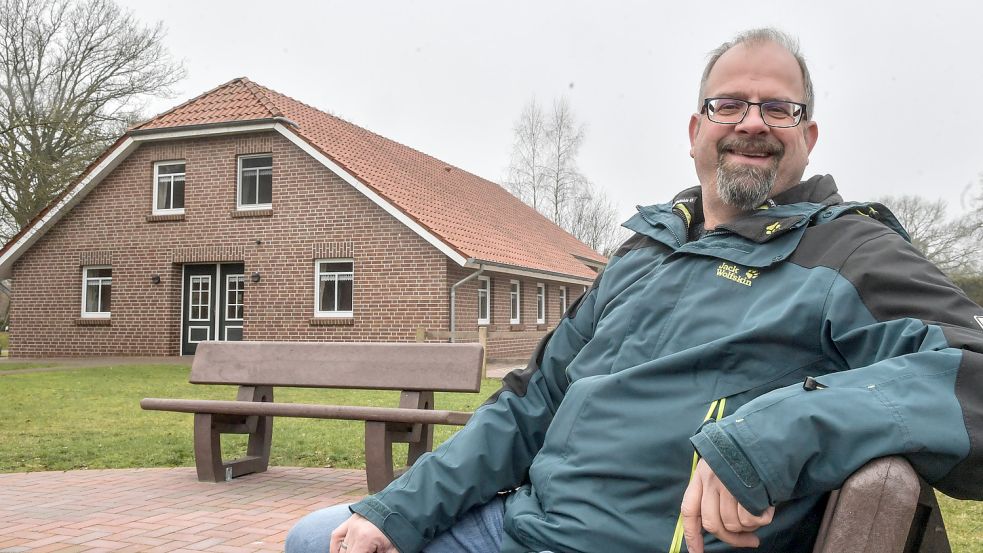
(753, 122)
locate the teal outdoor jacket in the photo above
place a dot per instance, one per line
(705, 344)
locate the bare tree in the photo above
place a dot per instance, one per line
(952, 244)
(527, 172)
(543, 173)
(72, 74)
(563, 181)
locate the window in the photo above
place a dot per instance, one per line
(255, 182)
(97, 286)
(335, 287)
(235, 289)
(563, 300)
(540, 303)
(201, 298)
(168, 187)
(514, 302)
(484, 300)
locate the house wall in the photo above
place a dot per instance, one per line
(400, 279)
(506, 340)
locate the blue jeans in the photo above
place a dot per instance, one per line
(478, 531)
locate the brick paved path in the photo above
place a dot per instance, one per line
(163, 509)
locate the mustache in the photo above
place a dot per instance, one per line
(751, 146)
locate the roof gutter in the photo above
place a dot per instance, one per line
(472, 276)
(526, 271)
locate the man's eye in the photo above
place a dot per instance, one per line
(780, 109)
(725, 107)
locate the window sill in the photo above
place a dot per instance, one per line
(265, 212)
(332, 321)
(516, 326)
(85, 321)
(161, 217)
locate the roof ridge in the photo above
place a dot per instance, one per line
(189, 102)
(257, 91)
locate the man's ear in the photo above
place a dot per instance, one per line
(811, 135)
(695, 121)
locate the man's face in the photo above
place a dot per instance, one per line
(747, 163)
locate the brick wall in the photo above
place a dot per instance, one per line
(400, 280)
(506, 340)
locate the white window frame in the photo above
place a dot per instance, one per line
(563, 300)
(208, 333)
(245, 207)
(208, 304)
(85, 286)
(317, 289)
(172, 211)
(484, 288)
(515, 302)
(540, 303)
(229, 280)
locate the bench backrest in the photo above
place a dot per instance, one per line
(382, 366)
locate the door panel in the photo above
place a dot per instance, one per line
(212, 304)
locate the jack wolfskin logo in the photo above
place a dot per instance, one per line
(733, 272)
(773, 228)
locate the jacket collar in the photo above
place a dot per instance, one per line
(779, 222)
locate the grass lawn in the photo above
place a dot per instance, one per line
(91, 418)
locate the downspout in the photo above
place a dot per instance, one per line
(472, 276)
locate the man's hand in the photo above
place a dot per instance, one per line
(708, 505)
(358, 535)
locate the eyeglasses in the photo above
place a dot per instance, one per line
(779, 114)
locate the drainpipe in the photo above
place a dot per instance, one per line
(472, 276)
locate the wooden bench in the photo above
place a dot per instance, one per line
(883, 508)
(417, 370)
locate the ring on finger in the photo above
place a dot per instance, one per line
(344, 545)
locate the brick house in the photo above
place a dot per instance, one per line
(245, 214)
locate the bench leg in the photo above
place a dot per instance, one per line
(208, 450)
(380, 437)
(208, 440)
(378, 456)
(420, 437)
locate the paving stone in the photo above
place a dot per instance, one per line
(163, 509)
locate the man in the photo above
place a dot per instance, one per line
(699, 334)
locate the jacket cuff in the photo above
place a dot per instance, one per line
(404, 536)
(732, 467)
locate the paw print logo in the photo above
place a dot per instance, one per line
(751, 274)
(773, 228)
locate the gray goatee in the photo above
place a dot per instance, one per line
(746, 186)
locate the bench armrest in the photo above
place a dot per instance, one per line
(314, 411)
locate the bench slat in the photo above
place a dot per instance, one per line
(394, 366)
(342, 412)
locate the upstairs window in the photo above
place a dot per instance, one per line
(540, 303)
(335, 288)
(255, 188)
(484, 300)
(563, 300)
(168, 187)
(514, 302)
(97, 286)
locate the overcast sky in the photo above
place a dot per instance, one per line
(896, 82)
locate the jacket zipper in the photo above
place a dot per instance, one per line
(677, 536)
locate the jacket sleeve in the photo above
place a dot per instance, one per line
(905, 351)
(493, 452)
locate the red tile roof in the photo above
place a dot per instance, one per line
(474, 216)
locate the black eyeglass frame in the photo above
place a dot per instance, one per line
(802, 115)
